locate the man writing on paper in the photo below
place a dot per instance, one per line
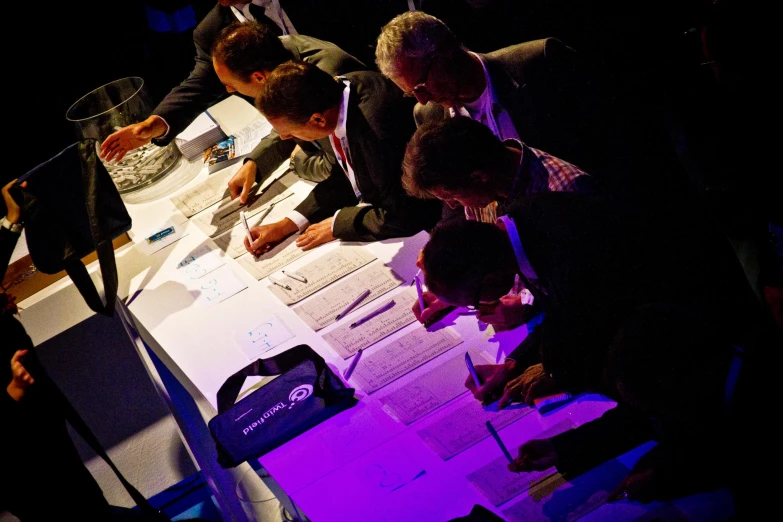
(462, 163)
(243, 55)
(365, 122)
(588, 265)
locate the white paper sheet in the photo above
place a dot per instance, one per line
(432, 390)
(205, 194)
(465, 427)
(216, 287)
(199, 262)
(500, 485)
(262, 336)
(401, 356)
(321, 310)
(346, 341)
(325, 270)
(282, 255)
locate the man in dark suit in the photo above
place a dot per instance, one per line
(364, 120)
(531, 91)
(243, 55)
(194, 95)
(589, 265)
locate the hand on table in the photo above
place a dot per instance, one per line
(267, 236)
(494, 378)
(316, 235)
(508, 313)
(532, 384)
(13, 212)
(242, 181)
(534, 455)
(119, 143)
(20, 377)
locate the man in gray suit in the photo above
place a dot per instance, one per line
(363, 120)
(531, 91)
(243, 56)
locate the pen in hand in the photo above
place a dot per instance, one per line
(497, 438)
(472, 370)
(243, 218)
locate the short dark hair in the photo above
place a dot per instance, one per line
(248, 47)
(296, 90)
(444, 153)
(461, 253)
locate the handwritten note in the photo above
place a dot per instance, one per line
(216, 287)
(325, 270)
(465, 427)
(199, 262)
(346, 341)
(206, 194)
(283, 254)
(432, 390)
(401, 356)
(321, 310)
(225, 216)
(499, 485)
(262, 337)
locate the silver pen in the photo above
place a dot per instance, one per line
(281, 285)
(387, 306)
(295, 276)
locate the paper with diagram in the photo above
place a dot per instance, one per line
(325, 270)
(283, 254)
(402, 356)
(321, 309)
(206, 194)
(500, 485)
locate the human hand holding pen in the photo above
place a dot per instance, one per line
(494, 378)
(267, 236)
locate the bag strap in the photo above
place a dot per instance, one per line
(89, 437)
(281, 363)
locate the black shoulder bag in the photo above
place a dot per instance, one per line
(305, 393)
(72, 208)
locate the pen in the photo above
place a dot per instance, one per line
(281, 285)
(349, 371)
(160, 235)
(495, 436)
(369, 316)
(351, 306)
(295, 276)
(472, 370)
(422, 306)
(543, 402)
(247, 228)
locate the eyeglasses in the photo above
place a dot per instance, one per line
(422, 85)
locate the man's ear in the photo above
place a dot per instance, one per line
(258, 76)
(318, 119)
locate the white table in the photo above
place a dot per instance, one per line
(331, 472)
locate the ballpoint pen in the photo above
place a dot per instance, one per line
(295, 276)
(416, 280)
(349, 371)
(281, 285)
(495, 436)
(351, 306)
(243, 217)
(372, 314)
(472, 370)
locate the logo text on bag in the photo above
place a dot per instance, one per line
(298, 394)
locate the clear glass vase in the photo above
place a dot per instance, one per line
(112, 107)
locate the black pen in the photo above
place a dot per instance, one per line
(369, 316)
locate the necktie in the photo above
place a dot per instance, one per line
(342, 158)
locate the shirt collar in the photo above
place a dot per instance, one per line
(525, 268)
(342, 115)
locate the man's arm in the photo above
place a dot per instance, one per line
(371, 223)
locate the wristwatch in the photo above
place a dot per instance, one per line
(13, 227)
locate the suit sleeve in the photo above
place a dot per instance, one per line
(327, 197)
(371, 223)
(200, 90)
(8, 241)
(270, 152)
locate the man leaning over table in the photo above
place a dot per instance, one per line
(243, 55)
(202, 88)
(477, 176)
(363, 120)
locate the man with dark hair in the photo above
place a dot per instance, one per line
(461, 162)
(243, 55)
(588, 265)
(365, 122)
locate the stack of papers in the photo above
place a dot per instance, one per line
(199, 136)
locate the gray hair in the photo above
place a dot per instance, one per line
(413, 35)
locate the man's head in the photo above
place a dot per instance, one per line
(467, 263)
(243, 55)
(457, 160)
(229, 3)
(300, 101)
(421, 55)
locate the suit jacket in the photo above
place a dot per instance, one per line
(598, 264)
(202, 88)
(378, 128)
(540, 86)
(272, 151)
